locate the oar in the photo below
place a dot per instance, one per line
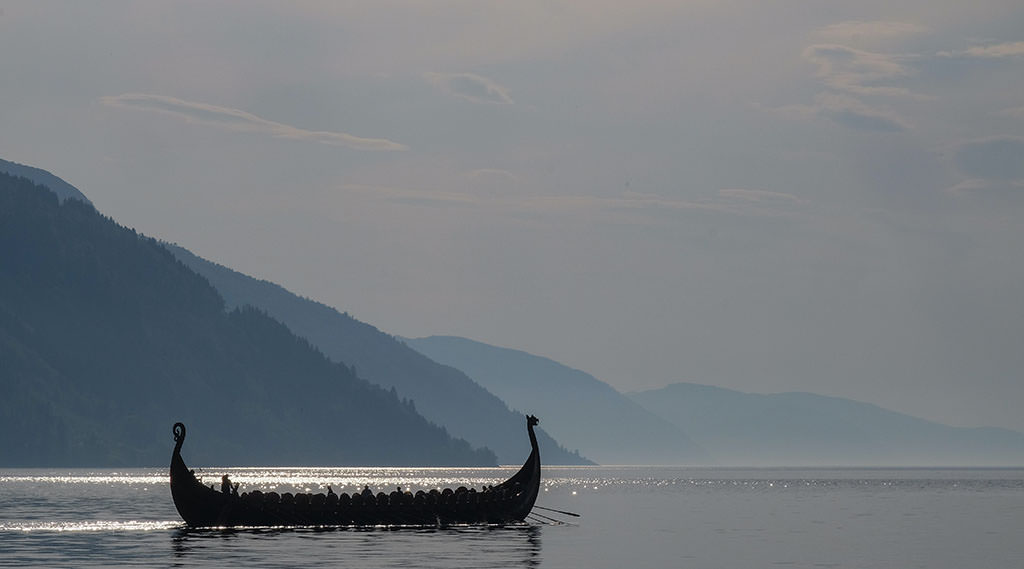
(559, 511)
(552, 520)
(542, 519)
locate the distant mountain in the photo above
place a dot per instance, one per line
(581, 411)
(106, 340)
(56, 185)
(807, 429)
(442, 394)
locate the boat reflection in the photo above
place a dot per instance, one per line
(516, 545)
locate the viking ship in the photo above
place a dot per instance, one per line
(203, 506)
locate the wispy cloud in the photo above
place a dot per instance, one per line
(868, 31)
(626, 202)
(492, 174)
(761, 197)
(730, 201)
(847, 111)
(853, 113)
(241, 121)
(1002, 189)
(850, 75)
(471, 87)
(1015, 112)
(492, 180)
(994, 167)
(993, 51)
(993, 158)
(1005, 196)
(859, 72)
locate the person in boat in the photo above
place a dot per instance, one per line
(225, 484)
(367, 493)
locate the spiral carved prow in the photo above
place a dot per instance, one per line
(179, 436)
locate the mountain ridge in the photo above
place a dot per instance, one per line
(803, 428)
(55, 184)
(107, 340)
(584, 412)
(443, 394)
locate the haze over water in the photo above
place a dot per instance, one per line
(631, 517)
(763, 196)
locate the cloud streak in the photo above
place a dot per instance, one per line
(740, 202)
(236, 120)
(994, 158)
(994, 51)
(761, 197)
(873, 30)
(853, 113)
(1003, 189)
(851, 75)
(857, 71)
(471, 87)
(1015, 112)
(994, 167)
(845, 111)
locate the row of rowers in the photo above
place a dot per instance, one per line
(461, 495)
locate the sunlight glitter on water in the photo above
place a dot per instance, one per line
(91, 526)
(304, 479)
(72, 478)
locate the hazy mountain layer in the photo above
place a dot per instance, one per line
(582, 412)
(808, 429)
(106, 339)
(442, 394)
(56, 185)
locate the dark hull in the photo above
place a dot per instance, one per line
(202, 506)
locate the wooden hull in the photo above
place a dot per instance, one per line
(202, 506)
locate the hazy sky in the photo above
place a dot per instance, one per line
(824, 196)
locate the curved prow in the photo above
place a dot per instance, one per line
(179, 472)
(198, 505)
(527, 480)
(179, 437)
(531, 422)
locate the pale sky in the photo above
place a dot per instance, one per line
(822, 196)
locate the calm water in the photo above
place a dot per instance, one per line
(631, 517)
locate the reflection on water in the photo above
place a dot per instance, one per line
(469, 546)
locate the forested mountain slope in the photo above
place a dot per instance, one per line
(106, 340)
(443, 394)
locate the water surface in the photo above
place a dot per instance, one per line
(631, 517)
